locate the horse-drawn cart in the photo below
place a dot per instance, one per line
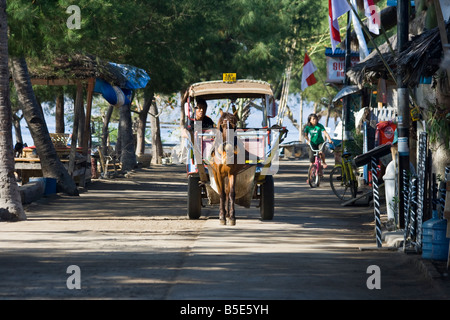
(255, 156)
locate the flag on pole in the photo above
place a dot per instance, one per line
(371, 11)
(336, 8)
(309, 68)
(363, 50)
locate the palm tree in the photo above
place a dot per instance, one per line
(10, 202)
(51, 165)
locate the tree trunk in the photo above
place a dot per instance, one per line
(127, 153)
(78, 105)
(59, 112)
(142, 125)
(81, 121)
(51, 166)
(17, 128)
(140, 147)
(184, 96)
(105, 132)
(11, 208)
(157, 149)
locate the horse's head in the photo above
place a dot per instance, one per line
(227, 121)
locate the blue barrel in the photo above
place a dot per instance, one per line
(435, 244)
(50, 186)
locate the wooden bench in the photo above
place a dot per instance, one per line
(31, 167)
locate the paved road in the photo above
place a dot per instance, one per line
(131, 239)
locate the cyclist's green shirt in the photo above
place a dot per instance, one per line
(316, 133)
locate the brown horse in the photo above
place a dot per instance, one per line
(226, 166)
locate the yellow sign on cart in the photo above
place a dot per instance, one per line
(229, 77)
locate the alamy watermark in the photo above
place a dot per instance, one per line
(74, 20)
(74, 280)
(374, 280)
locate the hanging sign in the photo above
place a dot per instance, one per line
(336, 64)
(336, 68)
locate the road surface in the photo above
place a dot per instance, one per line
(129, 238)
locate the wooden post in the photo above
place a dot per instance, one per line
(87, 122)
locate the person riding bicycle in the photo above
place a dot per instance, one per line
(315, 130)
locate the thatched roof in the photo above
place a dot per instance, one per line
(372, 68)
(421, 58)
(78, 67)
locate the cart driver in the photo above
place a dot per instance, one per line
(200, 115)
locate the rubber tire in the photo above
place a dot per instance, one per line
(267, 205)
(194, 198)
(312, 182)
(349, 191)
(337, 172)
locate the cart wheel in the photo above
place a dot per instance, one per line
(266, 208)
(194, 198)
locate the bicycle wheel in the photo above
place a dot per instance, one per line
(313, 176)
(340, 184)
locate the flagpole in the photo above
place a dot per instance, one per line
(346, 110)
(373, 43)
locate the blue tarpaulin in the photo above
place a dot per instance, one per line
(136, 78)
(117, 96)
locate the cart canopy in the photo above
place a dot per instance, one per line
(230, 90)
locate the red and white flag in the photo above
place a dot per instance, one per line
(309, 68)
(372, 12)
(336, 8)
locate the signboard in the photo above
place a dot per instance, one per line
(229, 77)
(336, 68)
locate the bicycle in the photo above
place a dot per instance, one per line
(343, 180)
(315, 170)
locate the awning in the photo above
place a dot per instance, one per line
(348, 90)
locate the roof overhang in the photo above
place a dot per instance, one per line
(345, 91)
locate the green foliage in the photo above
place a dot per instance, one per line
(188, 37)
(438, 124)
(180, 41)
